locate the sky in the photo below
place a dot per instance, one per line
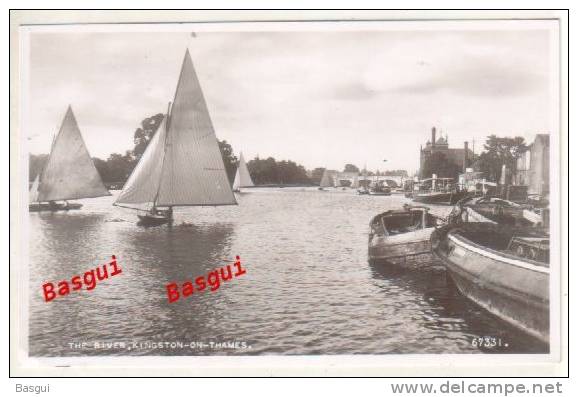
(320, 98)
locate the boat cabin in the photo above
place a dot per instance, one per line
(409, 219)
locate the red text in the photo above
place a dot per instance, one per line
(89, 280)
(212, 281)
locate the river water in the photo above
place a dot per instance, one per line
(309, 288)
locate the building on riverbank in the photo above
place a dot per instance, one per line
(461, 158)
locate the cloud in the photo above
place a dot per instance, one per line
(319, 98)
(351, 91)
(478, 76)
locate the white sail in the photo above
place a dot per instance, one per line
(327, 179)
(187, 167)
(355, 183)
(142, 186)
(503, 175)
(242, 176)
(69, 172)
(33, 196)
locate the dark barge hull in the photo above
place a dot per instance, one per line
(512, 288)
(446, 198)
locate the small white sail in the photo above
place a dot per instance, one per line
(355, 183)
(33, 196)
(327, 179)
(242, 176)
(69, 172)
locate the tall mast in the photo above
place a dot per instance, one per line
(164, 149)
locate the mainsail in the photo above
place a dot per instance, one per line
(69, 172)
(182, 164)
(242, 177)
(33, 195)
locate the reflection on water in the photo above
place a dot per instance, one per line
(308, 287)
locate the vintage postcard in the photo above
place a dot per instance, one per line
(369, 192)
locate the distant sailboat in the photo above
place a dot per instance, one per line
(242, 176)
(364, 187)
(326, 180)
(182, 164)
(33, 196)
(355, 182)
(68, 174)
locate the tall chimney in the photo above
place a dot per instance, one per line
(433, 136)
(465, 155)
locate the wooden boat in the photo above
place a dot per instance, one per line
(400, 233)
(68, 174)
(182, 164)
(242, 176)
(504, 270)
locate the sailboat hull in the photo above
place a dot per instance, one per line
(152, 220)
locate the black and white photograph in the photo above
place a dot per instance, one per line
(339, 188)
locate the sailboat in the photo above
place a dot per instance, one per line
(242, 176)
(364, 188)
(182, 164)
(355, 182)
(68, 174)
(326, 180)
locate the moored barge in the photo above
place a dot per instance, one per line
(504, 270)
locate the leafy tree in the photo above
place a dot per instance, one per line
(270, 171)
(440, 165)
(229, 159)
(119, 167)
(316, 175)
(499, 151)
(290, 172)
(145, 133)
(350, 168)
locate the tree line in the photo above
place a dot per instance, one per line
(116, 169)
